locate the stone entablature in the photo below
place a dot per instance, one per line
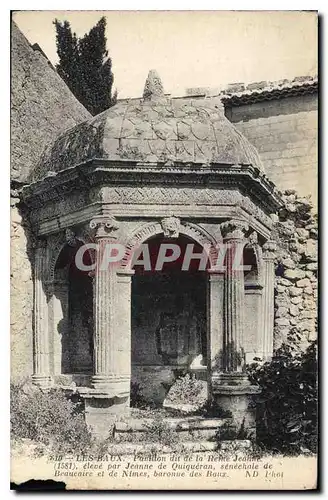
(210, 192)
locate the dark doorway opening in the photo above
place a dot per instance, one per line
(168, 321)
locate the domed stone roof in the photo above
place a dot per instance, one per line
(153, 129)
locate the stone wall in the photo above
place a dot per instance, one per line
(21, 288)
(284, 131)
(296, 271)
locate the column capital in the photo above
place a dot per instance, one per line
(104, 226)
(124, 275)
(215, 274)
(233, 229)
(269, 250)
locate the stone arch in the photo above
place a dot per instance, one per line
(149, 230)
(57, 242)
(256, 248)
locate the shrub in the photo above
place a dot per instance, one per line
(288, 403)
(137, 400)
(48, 418)
(188, 390)
(158, 431)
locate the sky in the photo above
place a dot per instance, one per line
(190, 48)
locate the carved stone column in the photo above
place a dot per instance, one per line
(122, 361)
(41, 368)
(269, 255)
(215, 332)
(104, 307)
(233, 345)
(111, 380)
(231, 389)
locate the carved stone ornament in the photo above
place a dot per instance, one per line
(253, 238)
(105, 226)
(171, 226)
(153, 86)
(233, 229)
(70, 237)
(269, 250)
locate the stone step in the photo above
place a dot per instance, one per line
(151, 448)
(198, 429)
(191, 423)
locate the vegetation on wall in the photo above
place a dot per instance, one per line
(85, 66)
(287, 407)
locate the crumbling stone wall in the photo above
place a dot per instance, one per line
(296, 234)
(21, 286)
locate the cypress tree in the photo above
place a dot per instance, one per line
(85, 66)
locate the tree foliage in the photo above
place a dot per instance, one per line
(85, 66)
(287, 406)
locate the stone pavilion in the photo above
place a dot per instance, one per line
(146, 171)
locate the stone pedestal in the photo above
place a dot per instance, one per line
(236, 397)
(101, 410)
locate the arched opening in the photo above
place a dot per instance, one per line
(72, 314)
(168, 320)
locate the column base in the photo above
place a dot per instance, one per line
(233, 394)
(42, 381)
(114, 386)
(101, 411)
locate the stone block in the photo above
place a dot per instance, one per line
(303, 283)
(281, 321)
(282, 301)
(281, 312)
(294, 274)
(284, 281)
(294, 310)
(294, 292)
(307, 314)
(303, 234)
(310, 252)
(288, 263)
(296, 300)
(305, 325)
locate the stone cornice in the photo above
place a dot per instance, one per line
(247, 178)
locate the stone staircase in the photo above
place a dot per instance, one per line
(192, 433)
